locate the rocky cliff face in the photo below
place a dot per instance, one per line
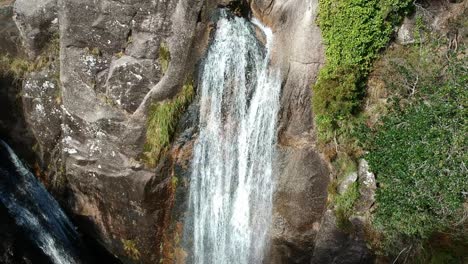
(87, 107)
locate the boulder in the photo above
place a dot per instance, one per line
(367, 187)
(82, 109)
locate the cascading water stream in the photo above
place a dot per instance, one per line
(232, 179)
(35, 211)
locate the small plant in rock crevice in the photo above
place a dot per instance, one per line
(162, 122)
(164, 56)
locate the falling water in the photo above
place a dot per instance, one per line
(232, 179)
(35, 211)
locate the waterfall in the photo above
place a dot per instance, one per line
(232, 179)
(35, 211)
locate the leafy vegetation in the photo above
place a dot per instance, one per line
(413, 126)
(162, 121)
(419, 150)
(354, 32)
(344, 205)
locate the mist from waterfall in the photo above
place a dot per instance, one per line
(232, 181)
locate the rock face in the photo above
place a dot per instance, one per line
(13, 127)
(88, 107)
(303, 177)
(108, 62)
(9, 35)
(37, 22)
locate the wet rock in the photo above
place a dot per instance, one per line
(33, 226)
(300, 199)
(83, 109)
(301, 191)
(106, 48)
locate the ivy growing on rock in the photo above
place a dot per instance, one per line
(354, 31)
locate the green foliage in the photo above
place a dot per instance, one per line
(344, 205)
(418, 153)
(336, 95)
(162, 121)
(354, 31)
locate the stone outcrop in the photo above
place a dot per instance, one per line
(109, 61)
(37, 23)
(440, 16)
(109, 70)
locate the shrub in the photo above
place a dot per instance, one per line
(335, 97)
(131, 249)
(354, 31)
(418, 153)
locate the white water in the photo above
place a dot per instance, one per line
(34, 210)
(232, 179)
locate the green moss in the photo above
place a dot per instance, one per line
(162, 121)
(14, 67)
(354, 31)
(17, 67)
(164, 56)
